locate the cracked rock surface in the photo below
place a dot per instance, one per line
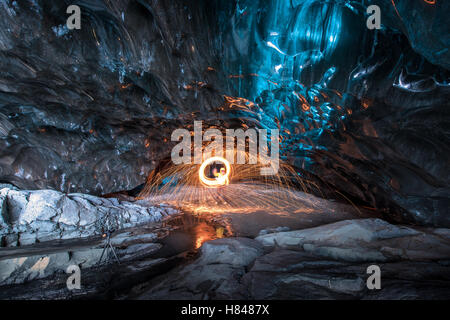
(41, 262)
(215, 275)
(28, 217)
(326, 262)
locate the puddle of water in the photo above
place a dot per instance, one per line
(190, 233)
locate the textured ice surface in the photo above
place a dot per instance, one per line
(361, 112)
(28, 217)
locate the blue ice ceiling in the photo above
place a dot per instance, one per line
(358, 108)
(310, 64)
(286, 55)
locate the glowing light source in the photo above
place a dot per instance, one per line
(221, 180)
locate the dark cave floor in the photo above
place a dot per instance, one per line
(311, 249)
(303, 252)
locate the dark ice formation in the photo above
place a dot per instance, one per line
(363, 113)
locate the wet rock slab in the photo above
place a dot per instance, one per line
(365, 240)
(215, 275)
(326, 262)
(288, 274)
(28, 217)
(21, 265)
(39, 271)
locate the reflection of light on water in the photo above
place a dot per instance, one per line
(199, 241)
(205, 232)
(219, 232)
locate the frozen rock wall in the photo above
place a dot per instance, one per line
(362, 112)
(30, 216)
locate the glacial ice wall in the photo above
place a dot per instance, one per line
(362, 112)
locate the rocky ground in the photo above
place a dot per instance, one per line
(39, 271)
(326, 262)
(313, 252)
(28, 217)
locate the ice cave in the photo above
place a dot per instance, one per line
(224, 149)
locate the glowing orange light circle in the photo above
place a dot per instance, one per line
(219, 181)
